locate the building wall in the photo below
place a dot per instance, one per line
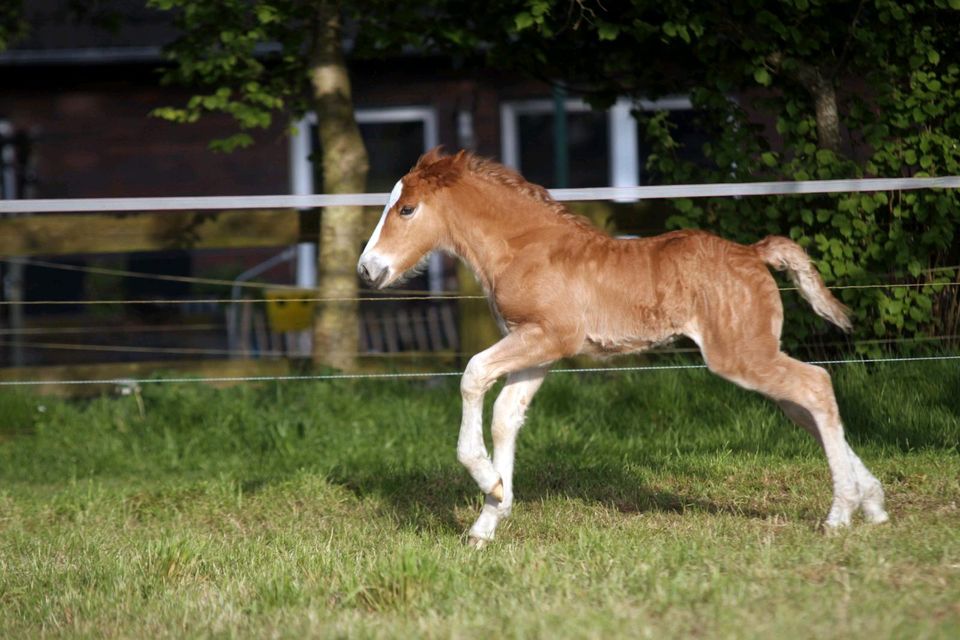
(430, 82)
(93, 137)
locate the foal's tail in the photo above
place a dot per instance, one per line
(785, 254)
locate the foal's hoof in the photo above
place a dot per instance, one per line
(872, 505)
(497, 491)
(829, 529)
(477, 543)
(875, 516)
(836, 524)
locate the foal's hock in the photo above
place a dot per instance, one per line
(560, 287)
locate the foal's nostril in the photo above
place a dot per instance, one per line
(362, 270)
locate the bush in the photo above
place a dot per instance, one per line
(904, 121)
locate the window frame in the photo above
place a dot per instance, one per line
(301, 174)
(302, 183)
(622, 144)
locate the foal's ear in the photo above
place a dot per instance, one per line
(430, 157)
(441, 170)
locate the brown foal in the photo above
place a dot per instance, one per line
(559, 287)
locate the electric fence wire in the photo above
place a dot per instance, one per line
(423, 374)
(398, 295)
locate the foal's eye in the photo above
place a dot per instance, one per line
(406, 211)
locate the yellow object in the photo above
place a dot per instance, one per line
(288, 311)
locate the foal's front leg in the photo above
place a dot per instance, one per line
(508, 413)
(525, 347)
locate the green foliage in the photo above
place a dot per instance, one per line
(249, 60)
(253, 60)
(12, 24)
(902, 120)
(890, 69)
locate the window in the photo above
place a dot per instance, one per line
(395, 137)
(604, 148)
(529, 142)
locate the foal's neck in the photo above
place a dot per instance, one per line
(490, 222)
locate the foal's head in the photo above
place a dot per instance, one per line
(412, 225)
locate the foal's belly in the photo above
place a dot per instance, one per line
(628, 325)
(605, 345)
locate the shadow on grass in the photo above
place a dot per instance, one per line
(925, 416)
(429, 500)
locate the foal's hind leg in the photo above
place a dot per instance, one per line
(805, 392)
(871, 491)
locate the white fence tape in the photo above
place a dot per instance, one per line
(102, 205)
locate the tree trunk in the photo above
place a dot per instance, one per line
(824, 95)
(345, 165)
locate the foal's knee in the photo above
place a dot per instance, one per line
(473, 383)
(469, 457)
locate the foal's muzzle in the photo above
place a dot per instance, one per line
(372, 271)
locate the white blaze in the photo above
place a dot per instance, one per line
(394, 196)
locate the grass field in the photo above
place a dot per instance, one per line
(660, 504)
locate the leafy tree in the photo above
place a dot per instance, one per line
(855, 89)
(259, 60)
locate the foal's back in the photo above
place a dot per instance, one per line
(633, 294)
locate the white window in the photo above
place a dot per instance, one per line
(604, 147)
(395, 137)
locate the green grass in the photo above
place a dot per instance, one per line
(662, 505)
